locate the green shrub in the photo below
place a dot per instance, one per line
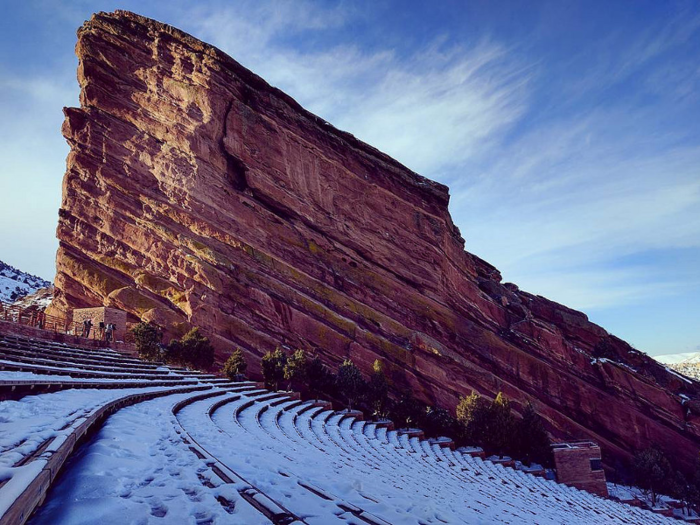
(235, 365)
(439, 422)
(273, 364)
(407, 412)
(473, 415)
(532, 441)
(350, 382)
(378, 391)
(147, 339)
(501, 426)
(193, 351)
(296, 368)
(318, 378)
(653, 472)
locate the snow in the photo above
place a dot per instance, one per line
(679, 376)
(322, 466)
(397, 478)
(672, 359)
(627, 493)
(27, 423)
(15, 283)
(138, 470)
(6, 376)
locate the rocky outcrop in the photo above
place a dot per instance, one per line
(197, 194)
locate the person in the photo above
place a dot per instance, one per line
(102, 334)
(87, 325)
(109, 333)
(40, 320)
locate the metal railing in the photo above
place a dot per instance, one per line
(60, 325)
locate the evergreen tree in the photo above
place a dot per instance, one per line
(296, 368)
(235, 365)
(350, 383)
(501, 425)
(653, 472)
(317, 377)
(147, 339)
(533, 443)
(473, 416)
(439, 422)
(193, 350)
(407, 412)
(273, 364)
(693, 491)
(378, 390)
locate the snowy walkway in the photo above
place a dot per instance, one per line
(137, 469)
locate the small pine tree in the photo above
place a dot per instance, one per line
(146, 339)
(350, 382)
(407, 412)
(693, 491)
(533, 443)
(501, 425)
(193, 350)
(296, 368)
(235, 365)
(653, 472)
(317, 377)
(473, 416)
(439, 422)
(378, 390)
(273, 368)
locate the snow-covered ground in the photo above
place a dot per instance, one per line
(27, 423)
(400, 480)
(15, 283)
(149, 464)
(138, 470)
(627, 493)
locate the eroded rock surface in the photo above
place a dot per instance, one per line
(196, 194)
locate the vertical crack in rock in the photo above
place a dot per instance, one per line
(235, 168)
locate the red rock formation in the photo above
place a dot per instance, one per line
(196, 194)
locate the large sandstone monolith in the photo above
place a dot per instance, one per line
(197, 194)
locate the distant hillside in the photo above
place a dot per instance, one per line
(672, 359)
(687, 364)
(15, 284)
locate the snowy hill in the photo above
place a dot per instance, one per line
(687, 364)
(672, 359)
(15, 283)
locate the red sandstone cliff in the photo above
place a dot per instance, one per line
(195, 193)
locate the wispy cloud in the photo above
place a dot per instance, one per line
(431, 110)
(557, 204)
(574, 171)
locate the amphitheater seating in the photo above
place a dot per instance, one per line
(288, 461)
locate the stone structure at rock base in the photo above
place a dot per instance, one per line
(100, 317)
(579, 465)
(198, 195)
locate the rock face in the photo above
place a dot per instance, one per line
(197, 194)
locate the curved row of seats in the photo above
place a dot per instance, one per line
(31, 463)
(18, 354)
(394, 465)
(292, 461)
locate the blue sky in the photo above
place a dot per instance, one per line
(568, 132)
